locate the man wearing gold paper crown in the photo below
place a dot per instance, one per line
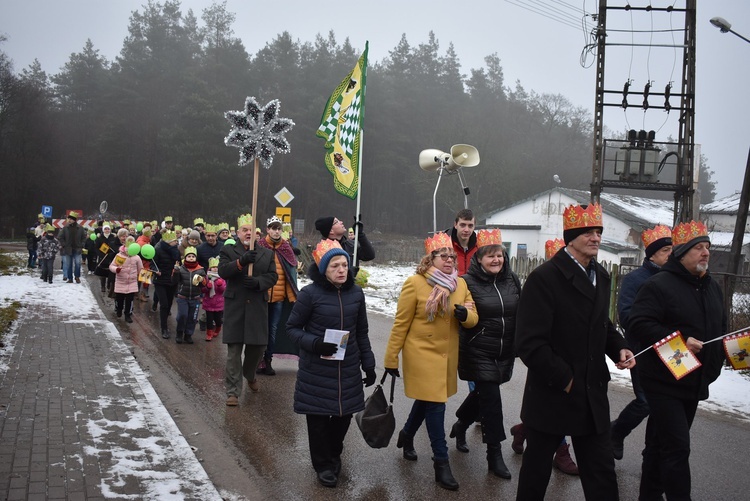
(657, 242)
(563, 333)
(245, 307)
(682, 296)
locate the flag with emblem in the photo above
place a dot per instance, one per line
(341, 127)
(673, 351)
(737, 349)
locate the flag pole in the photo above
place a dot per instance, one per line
(704, 342)
(359, 161)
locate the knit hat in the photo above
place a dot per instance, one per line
(324, 225)
(687, 235)
(195, 234)
(106, 225)
(579, 219)
(655, 238)
(325, 251)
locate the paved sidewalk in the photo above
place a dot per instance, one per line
(78, 417)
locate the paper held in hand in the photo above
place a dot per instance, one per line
(338, 337)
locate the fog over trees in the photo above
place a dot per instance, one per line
(145, 131)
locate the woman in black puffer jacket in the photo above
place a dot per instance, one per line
(486, 353)
(330, 391)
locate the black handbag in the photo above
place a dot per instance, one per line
(376, 421)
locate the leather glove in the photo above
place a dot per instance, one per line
(248, 257)
(460, 312)
(320, 347)
(370, 377)
(393, 372)
(250, 282)
(358, 224)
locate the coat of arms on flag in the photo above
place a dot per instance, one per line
(673, 351)
(341, 127)
(104, 248)
(737, 349)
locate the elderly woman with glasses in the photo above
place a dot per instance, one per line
(432, 305)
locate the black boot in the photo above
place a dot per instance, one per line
(443, 475)
(189, 339)
(407, 443)
(268, 370)
(178, 337)
(165, 333)
(459, 431)
(495, 462)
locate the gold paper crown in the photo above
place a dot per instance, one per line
(685, 232)
(73, 214)
(552, 246)
(168, 219)
(178, 228)
(576, 217)
(658, 232)
(213, 262)
(223, 226)
(191, 250)
(198, 220)
(245, 219)
(323, 247)
(489, 237)
(127, 221)
(168, 236)
(437, 241)
(49, 228)
(212, 228)
(286, 226)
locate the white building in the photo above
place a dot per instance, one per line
(526, 225)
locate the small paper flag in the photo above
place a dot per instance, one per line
(104, 248)
(675, 354)
(737, 349)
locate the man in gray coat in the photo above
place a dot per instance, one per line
(72, 239)
(245, 307)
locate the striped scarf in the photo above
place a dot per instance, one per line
(442, 287)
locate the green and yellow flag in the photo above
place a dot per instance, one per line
(341, 127)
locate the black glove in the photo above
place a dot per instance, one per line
(460, 312)
(358, 224)
(370, 377)
(296, 251)
(393, 372)
(248, 257)
(250, 282)
(320, 347)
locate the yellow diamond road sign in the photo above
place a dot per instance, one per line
(284, 196)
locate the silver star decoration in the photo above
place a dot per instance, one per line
(258, 131)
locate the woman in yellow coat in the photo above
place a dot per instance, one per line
(425, 331)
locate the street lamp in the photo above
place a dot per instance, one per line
(724, 26)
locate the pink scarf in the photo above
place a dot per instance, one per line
(443, 286)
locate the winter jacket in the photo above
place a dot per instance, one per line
(246, 304)
(205, 251)
(631, 283)
(185, 284)
(463, 259)
(48, 247)
(330, 387)
(486, 351)
(72, 238)
(563, 332)
(215, 301)
(675, 299)
(429, 350)
(32, 241)
(165, 259)
(285, 287)
(126, 281)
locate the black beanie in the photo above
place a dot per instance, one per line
(324, 225)
(654, 246)
(571, 234)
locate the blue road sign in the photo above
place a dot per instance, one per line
(47, 210)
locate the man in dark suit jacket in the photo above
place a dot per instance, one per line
(245, 307)
(562, 334)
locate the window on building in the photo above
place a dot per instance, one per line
(521, 250)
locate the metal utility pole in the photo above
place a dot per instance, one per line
(636, 163)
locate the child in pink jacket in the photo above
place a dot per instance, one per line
(126, 269)
(213, 299)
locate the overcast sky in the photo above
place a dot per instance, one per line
(544, 54)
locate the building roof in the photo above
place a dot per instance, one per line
(638, 212)
(728, 205)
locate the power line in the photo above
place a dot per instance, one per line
(545, 14)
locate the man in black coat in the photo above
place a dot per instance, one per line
(680, 297)
(245, 307)
(562, 334)
(657, 242)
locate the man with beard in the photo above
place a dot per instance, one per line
(245, 307)
(681, 297)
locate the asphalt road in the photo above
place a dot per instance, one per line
(259, 450)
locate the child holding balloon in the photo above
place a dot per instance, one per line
(144, 239)
(126, 266)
